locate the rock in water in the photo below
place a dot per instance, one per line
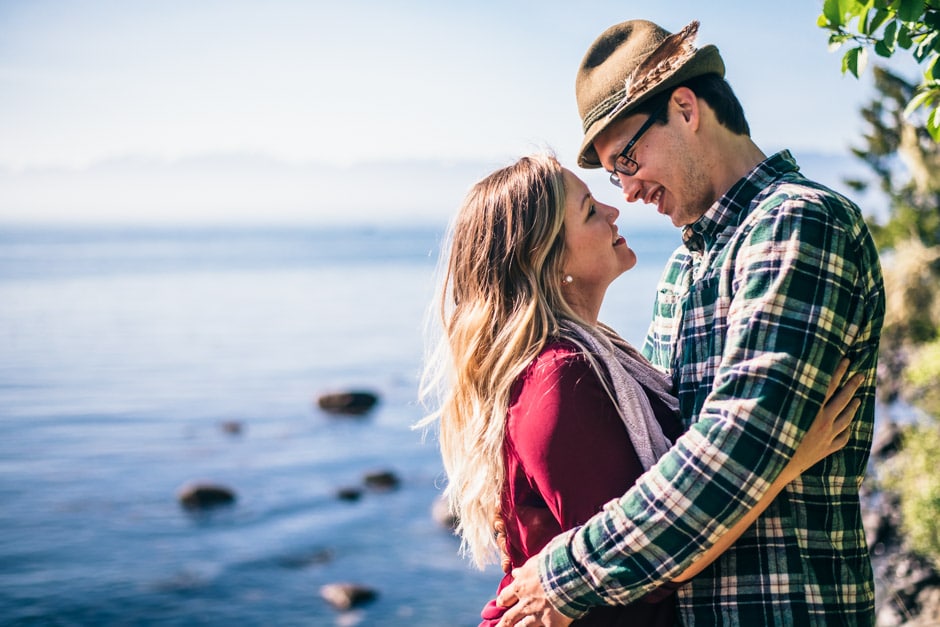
(353, 403)
(204, 495)
(232, 427)
(440, 512)
(381, 480)
(344, 596)
(349, 494)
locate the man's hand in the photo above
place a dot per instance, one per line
(529, 605)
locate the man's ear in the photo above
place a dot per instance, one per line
(686, 103)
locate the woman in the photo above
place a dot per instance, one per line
(546, 414)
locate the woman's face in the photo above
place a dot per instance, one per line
(595, 254)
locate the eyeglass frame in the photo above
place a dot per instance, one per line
(634, 166)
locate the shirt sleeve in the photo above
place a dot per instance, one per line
(794, 309)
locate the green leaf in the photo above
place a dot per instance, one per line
(862, 61)
(849, 9)
(891, 35)
(925, 47)
(933, 69)
(877, 18)
(853, 61)
(833, 12)
(917, 102)
(904, 37)
(933, 124)
(911, 10)
(932, 18)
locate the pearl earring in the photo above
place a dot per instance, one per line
(569, 279)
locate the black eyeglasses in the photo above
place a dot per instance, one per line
(625, 164)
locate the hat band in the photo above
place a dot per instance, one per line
(603, 108)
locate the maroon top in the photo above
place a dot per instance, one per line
(567, 453)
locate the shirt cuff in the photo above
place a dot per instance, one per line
(564, 580)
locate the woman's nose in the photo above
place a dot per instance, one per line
(612, 213)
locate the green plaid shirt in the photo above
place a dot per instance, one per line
(752, 327)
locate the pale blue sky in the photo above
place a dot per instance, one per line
(129, 110)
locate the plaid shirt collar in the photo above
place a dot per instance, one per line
(730, 208)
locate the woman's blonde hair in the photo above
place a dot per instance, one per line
(500, 302)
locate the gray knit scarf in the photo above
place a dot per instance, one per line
(633, 379)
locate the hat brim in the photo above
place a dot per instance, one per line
(706, 60)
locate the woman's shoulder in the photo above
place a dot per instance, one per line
(556, 357)
(559, 350)
(560, 362)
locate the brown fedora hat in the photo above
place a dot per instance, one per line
(629, 63)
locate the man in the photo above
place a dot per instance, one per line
(777, 280)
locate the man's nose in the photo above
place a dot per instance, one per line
(632, 189)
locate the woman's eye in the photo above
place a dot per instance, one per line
(592, 210)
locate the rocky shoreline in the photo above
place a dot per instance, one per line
(907, 586)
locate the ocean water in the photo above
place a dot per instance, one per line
(122, 353)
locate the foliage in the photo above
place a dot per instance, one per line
(912, 313)
(902, 151)
(906, 162)
(922, 375)
(886, 26)
(913, 475)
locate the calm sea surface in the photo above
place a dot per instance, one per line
(122, 352)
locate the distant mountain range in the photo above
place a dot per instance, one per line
(247, 190)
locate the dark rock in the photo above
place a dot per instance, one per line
(903, 578)
(304, 560)
(912, 588)
(232, 427)
(204, 495)
(352, 403)
(344, 596)
(876, 528)
(349, 494)
(887, 439)
(381, 480)
(440, 512)
(928, 600)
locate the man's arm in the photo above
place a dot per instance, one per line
(792, 316)
(829, 433)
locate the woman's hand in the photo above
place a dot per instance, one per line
(830, 430)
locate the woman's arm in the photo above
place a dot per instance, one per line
(828, 433)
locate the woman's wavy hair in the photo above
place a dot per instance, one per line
(500, 302)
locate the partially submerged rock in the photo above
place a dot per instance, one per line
(305, 559)
(232, 427)
(440, 512)
(381, 480)
(205, 495)
(344, 596)
(349, 493)
(352, 403)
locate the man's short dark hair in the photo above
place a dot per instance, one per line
(714, 90)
